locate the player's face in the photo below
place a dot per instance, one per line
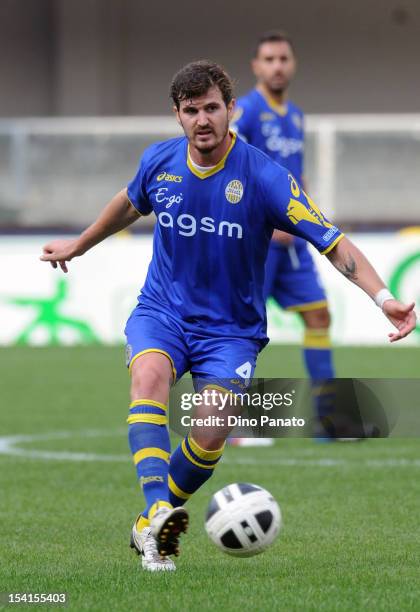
(275, 66)
(205, 120)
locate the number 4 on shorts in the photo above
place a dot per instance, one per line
(244, 371)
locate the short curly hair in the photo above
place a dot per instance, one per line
(196, 78)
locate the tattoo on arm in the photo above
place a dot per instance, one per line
(348, 268)
(345, 263)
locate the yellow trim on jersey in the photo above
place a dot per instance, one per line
(190, 458)
(317, 338)
(307, 306)
(280, 109)
(332, 245)
(155, 419)
(145, 453)
(208, 455)
(148, 402)
(219, 166)
(176, 490)
(153, 350)
(139, 213)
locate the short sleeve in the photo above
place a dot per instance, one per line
(292, 210)
(137, 193)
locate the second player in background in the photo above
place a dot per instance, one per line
(267, 119)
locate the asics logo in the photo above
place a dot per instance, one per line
(173, 178)
(146, 479)
(187, 225)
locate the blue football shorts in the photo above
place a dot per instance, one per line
(227, 362)
(291, 277)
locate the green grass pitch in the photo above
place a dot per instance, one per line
(351, 535)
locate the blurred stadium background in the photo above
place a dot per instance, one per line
(85, 90)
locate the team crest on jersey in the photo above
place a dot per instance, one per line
(234, 191)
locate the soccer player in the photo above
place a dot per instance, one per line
(202, 309)
(267, 119)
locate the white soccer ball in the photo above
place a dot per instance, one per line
(243, 519)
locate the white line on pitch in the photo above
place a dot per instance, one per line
(8, 446)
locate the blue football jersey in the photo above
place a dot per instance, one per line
(212, 234)
(277, 130)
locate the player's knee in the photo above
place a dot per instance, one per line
(317, 319)
(208, 440)
(151, 379)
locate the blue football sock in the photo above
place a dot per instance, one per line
(189, 468)
(319, 364)
(149, 443)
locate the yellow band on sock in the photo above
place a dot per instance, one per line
(156, 506)
(190, 458)
(148, 402)
(326, 389)
(208, 455)
(155, 419)
(145, 453)
(173, 487)
(317, 338)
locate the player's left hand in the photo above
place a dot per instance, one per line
(402, 316)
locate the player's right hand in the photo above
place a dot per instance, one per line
(58, 252)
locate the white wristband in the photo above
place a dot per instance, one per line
(382, 296)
